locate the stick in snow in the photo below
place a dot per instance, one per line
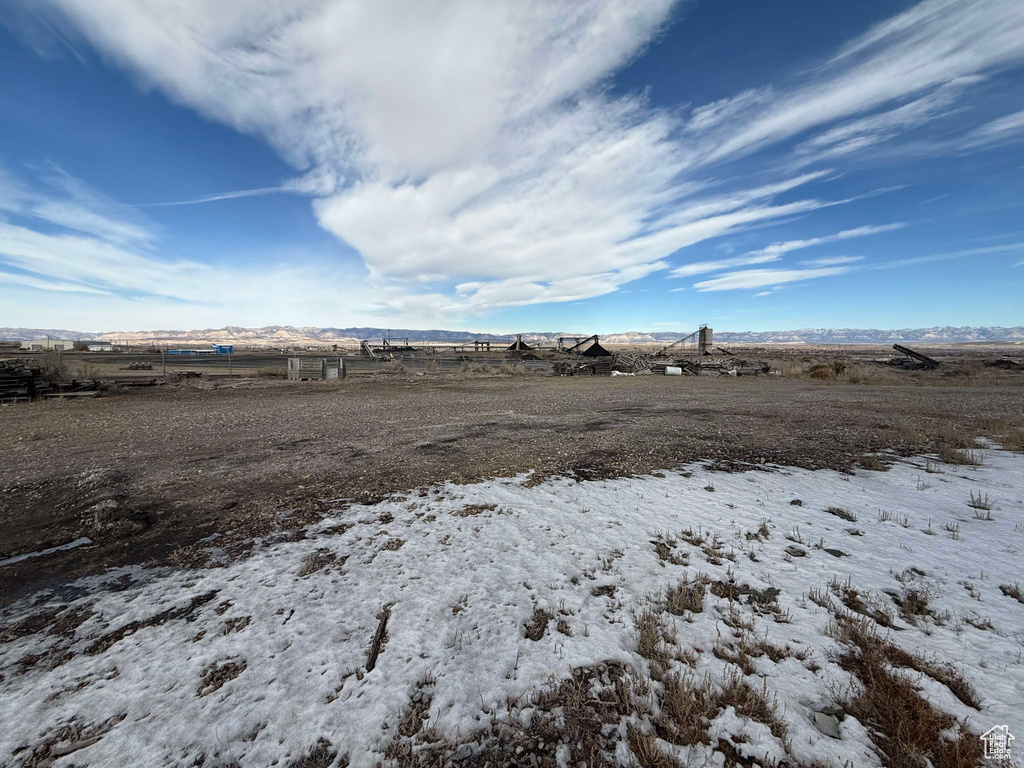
(371, 660)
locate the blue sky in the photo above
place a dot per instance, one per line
(503, 166)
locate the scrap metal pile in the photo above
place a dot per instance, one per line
(731, 365)
(1006, 363)
(912, 360)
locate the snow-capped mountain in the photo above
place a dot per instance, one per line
(289, 335)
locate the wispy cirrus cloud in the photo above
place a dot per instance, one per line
(933, 47)
(830, 261)
(57, 198)
(759, 278)
(775, 251)
(1005, 128)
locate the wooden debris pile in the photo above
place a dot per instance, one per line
(632, 362)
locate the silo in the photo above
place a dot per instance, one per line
(704, 341)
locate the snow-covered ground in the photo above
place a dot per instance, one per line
(254, 662)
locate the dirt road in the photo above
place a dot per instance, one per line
(143, 475)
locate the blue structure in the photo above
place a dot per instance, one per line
(215, 349)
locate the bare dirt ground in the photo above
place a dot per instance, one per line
(146, 475)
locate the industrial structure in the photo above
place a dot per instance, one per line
(215, 349)
(572, 355)
(48, 345)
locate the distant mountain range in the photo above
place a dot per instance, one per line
(287, 335)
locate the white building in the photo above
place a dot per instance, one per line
(48, 345)
(103, 346)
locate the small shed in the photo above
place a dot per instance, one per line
(315, 368)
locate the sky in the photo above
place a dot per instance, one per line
(516, 165)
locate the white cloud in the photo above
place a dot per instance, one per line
(830, 261)
(677, 290)
(759, 278)
(474, 144)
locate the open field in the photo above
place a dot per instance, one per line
(959, 359)
(174, 464)
(649, 570)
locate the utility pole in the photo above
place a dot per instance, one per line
(163, 362)
(229, 364)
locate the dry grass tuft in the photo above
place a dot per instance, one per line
(321, 756)
(392, 368)
(189, 557)
(752, 703)
(1013, 591)
(214, 675)
(648, 637)
(1012, 441)
(537, 624)
(901, 723)
(687, 596)
(646, 750)
(865, 605)
(873, 463)
(686, 706)
(912, 604)
(317, 561)
(508, 369)
(665, 549)
(845, 514)
(475, 509)
(980, 502)
(959, 456)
